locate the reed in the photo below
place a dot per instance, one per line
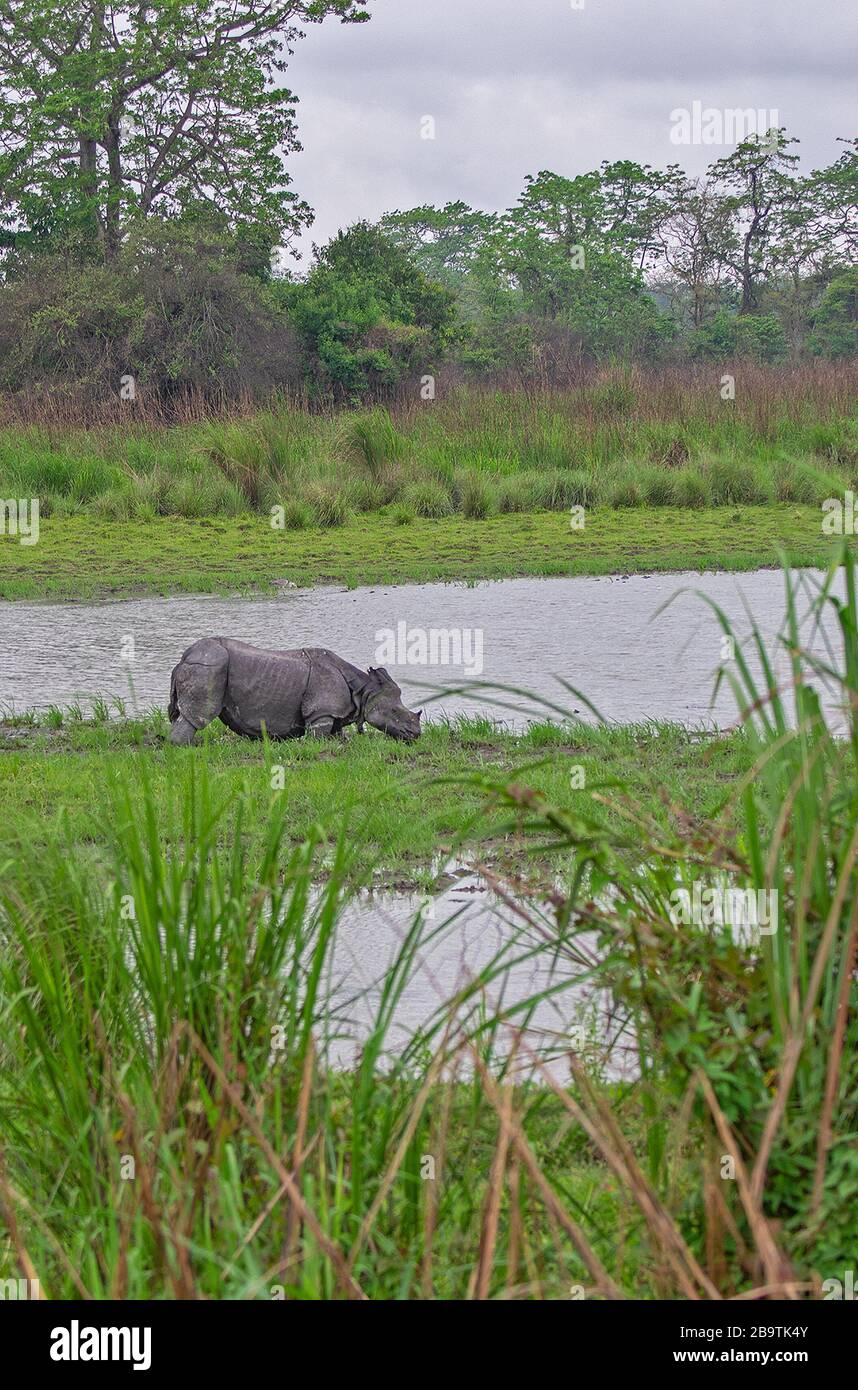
(630, 438)
(175, 1124)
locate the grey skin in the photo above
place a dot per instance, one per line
(290, 693)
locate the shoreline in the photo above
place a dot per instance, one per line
(398, 827)
(79, 560)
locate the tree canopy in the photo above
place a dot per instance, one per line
(113, 113)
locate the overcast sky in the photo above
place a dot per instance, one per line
(515, 86)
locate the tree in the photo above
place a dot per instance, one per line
(367, 316)
(636, 200)
(696, 238)
(729, 335)
(835, 196)
(835, 327)
(445, 243)
(175, 314)
(567, 251)
(113, 112)
(760, 189)
(616, 208)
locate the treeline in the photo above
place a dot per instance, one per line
(625, 263)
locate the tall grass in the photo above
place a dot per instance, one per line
(666, 439)
(755, 1041)
(172, 1123)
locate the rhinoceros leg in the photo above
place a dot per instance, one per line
(321, 726)
(197, 689)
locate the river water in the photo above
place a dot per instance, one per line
(548, 1000)
(612, 638)
(604, 636)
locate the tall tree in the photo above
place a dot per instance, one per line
(761, 189)
(112, 112)
(696, 236)
(444, 242)
(835, 196)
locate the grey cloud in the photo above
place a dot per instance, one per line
(517, 87)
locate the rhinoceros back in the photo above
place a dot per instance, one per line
(264, 688)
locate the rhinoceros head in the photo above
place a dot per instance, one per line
(384, 710)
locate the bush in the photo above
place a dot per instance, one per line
(734, 482)
(429, 499)
(835, 323)
(757, 336)
(362, 495)
(367, 316)
(691, 489)
(204, 494)
(122, 504)
(615, 397)
(476, 497)
(518, 493)
(658, 486)
(174, 314)
(557, 489)
(374, 441)
(626, 492)
(801, 482)
(297, 514)
(328, 505)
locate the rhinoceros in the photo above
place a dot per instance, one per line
(290, 693)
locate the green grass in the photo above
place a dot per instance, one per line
(402, 814)
(476, 485)
(81, 558)
(172, 1124)
(627, 439)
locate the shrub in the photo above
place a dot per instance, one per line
(374, 441)
(363, 495)
(555, 490)
(367, 316)
(175, 312)
(691, 488)
(476, 496)
(626, 492)
(204, 494)
(328, 505)
(801, 482)
(428, 498)
(517, 494)
(757, 336)
(658, 486)
(732, 481)
(297, 514)
(123, 504)
(835, 323)
(616, 397)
